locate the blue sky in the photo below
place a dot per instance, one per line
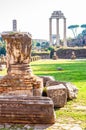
(33, 15)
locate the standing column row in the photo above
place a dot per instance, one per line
(57, 31)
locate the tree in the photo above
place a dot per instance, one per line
(2, 47)
(84, 32)
(83, 26)
(3, 51)
(44, 45)
(74, 29)
(84, 29)
(38, 44)
(80, 35)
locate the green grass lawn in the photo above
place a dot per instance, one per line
(74, 71)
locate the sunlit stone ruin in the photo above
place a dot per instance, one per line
(21, 99)
(57, 15)
(24, 97)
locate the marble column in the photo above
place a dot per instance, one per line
(57, 31)
(18, 47)
(65, 42)
(20, 78)
(50, 30)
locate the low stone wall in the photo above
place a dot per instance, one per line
(34, 58)
(67, 53)
(44, 55)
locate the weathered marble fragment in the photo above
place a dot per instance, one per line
(58, 93)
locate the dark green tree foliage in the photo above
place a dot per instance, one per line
(84, 32)
(74, 29)
(2, 47)
(83, 26)
(2, 51)
(84, 29)
(38, 44)
(51, 48)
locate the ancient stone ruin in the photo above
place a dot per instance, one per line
(19, 74)
(59, 92)
(20, 89)
(73, 56)
(55, 57)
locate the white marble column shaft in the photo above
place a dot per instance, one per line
(50, 30)
(57, 31)
(65, 42)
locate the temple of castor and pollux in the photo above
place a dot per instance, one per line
(57, 15)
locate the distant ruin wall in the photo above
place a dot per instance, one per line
(66, 53)
(42, 55)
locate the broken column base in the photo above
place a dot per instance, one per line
(26, 110)
(21, 85)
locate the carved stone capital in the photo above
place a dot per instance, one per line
(18, 46)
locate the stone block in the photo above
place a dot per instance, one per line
(46, 79)
(72, 91)
(26, 110)
(58, 93)
(52, 83)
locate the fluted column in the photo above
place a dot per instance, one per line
(50, 30)
(57, 31)
(65, 42)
